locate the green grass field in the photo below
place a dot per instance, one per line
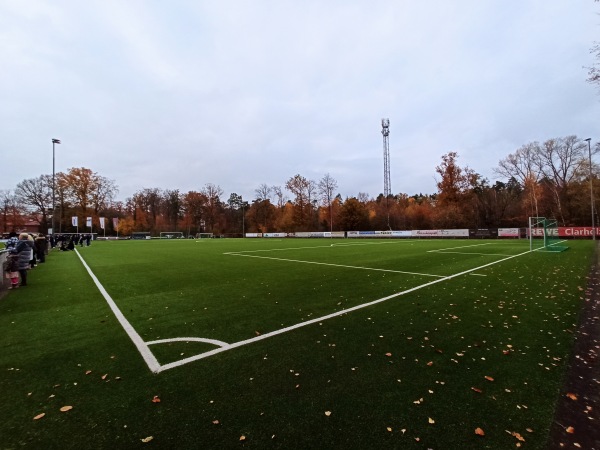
(290, 344)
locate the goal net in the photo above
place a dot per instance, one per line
(171, 235)
(544, 236)
(204, 235)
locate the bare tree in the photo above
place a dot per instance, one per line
(281, 198)
(263, 192)
(523, 166)
(213, 204)
(327, 187)
(36, 195)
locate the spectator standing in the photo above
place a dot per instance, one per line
(41, 245)
(12, 242)
(11, 269)
(24, 249)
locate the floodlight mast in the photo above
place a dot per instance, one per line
(589, 140)
(387, 185)
(385, 131)
(54, 141)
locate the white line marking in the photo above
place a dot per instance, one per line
(461, 246)
(189, 339)
(137, 340)
(335, 265)
(156, 367)
(467, 253)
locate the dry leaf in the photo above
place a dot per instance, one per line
(216, 422)
(430, 363)
(66, 408)
(388, 354)
(572, 396)
(242, 438)
(570, 430)
(39, 416)
(148, 439)
(479, 432)
(87, 372)
(479, 391)
(155, 399)
(104, 376)
(431, 420)
(489, 378)
(327, 413)
(518, 436)
(389, 429)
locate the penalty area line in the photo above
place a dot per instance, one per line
(323, 318)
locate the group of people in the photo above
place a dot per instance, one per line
(69, 241)
(24, 252)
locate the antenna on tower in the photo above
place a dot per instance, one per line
(385, 130)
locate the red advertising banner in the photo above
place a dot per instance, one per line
(567, 232)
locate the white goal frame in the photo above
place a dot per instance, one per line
(171, 235)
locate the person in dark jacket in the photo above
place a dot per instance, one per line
(41, 244)
(24, 249)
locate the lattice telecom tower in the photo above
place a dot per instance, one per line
(385, 130)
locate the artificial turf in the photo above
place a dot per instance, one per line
(409, 372)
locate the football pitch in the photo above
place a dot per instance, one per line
(293, 343)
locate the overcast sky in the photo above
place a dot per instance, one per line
(177, 94)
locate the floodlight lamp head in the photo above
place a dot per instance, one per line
(56, 141)
(588, 139)
(385, 124)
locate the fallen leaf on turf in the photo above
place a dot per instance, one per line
(39, 416)
(518, 436)
(216, 422)
(572, 396)
(430, 363)
(389, 429)
(479, 391)
(327, 413)
(388, 354)
(148, 439)
(104, 376)
(489, 378)
(155, 399)
(66, 408)
(479, 432)
(242, 438)
(570, 430)
(87, 372)
(431, 420)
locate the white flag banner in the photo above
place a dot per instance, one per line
(115, 223)
(102, 222)
(88, 222)
(74, 221)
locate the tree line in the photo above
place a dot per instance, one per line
(553, 178)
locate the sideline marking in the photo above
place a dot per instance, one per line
(142, 347)
(156, 367)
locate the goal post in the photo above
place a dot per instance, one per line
(204, 235)
(544, 236)
(171, 235)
